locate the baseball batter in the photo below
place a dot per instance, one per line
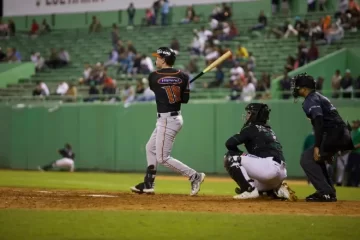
(263, 168)
(171, 88)
(66, 162)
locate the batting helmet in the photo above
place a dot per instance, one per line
(259, 113)
(302, 81)
(167, 54)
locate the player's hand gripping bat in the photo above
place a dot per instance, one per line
(216, 63)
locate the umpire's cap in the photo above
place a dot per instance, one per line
(167, 54)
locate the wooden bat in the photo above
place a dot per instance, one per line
(216, 63)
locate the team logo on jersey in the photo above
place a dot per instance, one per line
(169, 80)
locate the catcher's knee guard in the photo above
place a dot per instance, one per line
(232, 164)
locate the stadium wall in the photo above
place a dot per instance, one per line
(12, 72)
(110, 137)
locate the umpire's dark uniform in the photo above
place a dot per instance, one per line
(331, 136)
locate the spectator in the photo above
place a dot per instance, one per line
(71, 93)
(38, 61)
(95, 25)
(12, 27)
(263, 87)
(38, 91)
(290, 64)
(313, 52)
(285, 86)
(54, 61)
(115, 35)
(86, 74)
(237, 72)
(128, 95)
(45, 27)
(175, 45)
(311, 5)
(139, 90)
(204, 34)
(64, 57)
(120, 47)
(251, 64)
(262, 22)
(131, 14)
(131, 48)
(214, 24)
(2, 55)
(155, 12)
(11, 55)
(233, 31)
(357, 87)
(4, 29)
(212, 54)
(219, 79)
(335, 84)
(126, 63)
(316, 32)
(279, 31)
(242, 53)
(226, 12)
(290, 29)
(342, 7)
(335, 33)
(196, 46)
(62, 89)
(113, 58)
(34, 28)
(322, 5)
(146, 65)
(216, 12)
(147, 94)
(137, 64)
(190, 15)
(165, 10)
(285, 7)
(44, 88)
(235, 90)
(92, 91)
(248, 90)
(275, 6)
(192, 67)
(149, 18)
(346, 84)
(303, 29)
(319, 84)
(109, 86)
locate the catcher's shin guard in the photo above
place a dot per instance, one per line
(235, 170)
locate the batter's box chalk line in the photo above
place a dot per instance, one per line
(98, 195)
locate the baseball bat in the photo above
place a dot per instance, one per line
(216, 63)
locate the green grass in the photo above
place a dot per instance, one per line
(17, 224)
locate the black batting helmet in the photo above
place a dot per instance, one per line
(259, 112)
(167, 54)
(302, 81)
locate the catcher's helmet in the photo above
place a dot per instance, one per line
(259, 112)
(302, 81)
(167, 54)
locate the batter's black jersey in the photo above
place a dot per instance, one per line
(260, 140)
(67, 153)
(316, 104)
(171, 88)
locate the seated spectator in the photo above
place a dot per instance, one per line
(219, 79)
(251, 64)
(242, 53)
(216, 12)
(120, 47)
(131, 48)
(279, 31)
(302, 53)
(175, 45)
(139, 87)
(285, 86)
(290, 63)
(236, 72)
(212, 54)
(72, 93)
(315, 32)
(263, 87)
(64, 57)
(97, 74)
(354, 6)
(109, 86)
(291, 30)
(214, 24)
(45, 27)
(343, 6)
(149, 18)
(38, 91)
(2, 55)
(11, 55)
(4, 29)
(357, 87)
(62, 89)
(54, 61)
(233, 31)
(92, 91)
(326, 23)
(95, 25)
(313, 52)
(34, 28)
(235, 90)
(190, 15)
(196, 47)
(226, 12)
(38, 61)
(113, 58)
(346, 84)
(311, 5)
(12, 27)
(335, 33)
(248, 90)
(303, 29)
(262, 22)
(128, 95)
(204, 34)
(43, 87)
(86, 74)
(126, 63)
(335, 84)
(146, 65)
(137, 64)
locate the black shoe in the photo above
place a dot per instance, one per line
(139, 189)
(318, 197)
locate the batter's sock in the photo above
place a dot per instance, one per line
(149, 179)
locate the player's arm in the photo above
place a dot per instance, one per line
(313, 109)
(185, 93)
(238, 139)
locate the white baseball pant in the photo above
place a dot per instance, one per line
(159, 146)
(66, 163)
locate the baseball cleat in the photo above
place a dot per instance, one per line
(286, 193)
(196, 183)
(248, 195)
(140, 189)
(317, 197)
(40, 169)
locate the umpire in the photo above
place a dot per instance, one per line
(331, 136)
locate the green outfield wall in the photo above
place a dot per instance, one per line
(110, 137)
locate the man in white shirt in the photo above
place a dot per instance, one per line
(62, 88)
(44, 88)
(113, 59)
(214, 24)
(146, 64)
(236, 72)
(64, 57)
(248, 91)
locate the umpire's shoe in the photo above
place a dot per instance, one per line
(318, 197)
(140, 189)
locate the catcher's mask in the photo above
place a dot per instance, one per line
(257, 113)
(302, 81)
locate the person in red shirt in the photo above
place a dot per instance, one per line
(34, 28)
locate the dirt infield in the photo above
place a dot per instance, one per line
(26, 198)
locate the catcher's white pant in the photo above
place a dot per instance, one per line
(159, 146)
(66, 163)
(266, 173)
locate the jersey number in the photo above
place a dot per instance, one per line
(173, 93)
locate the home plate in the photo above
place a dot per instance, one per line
(98, 195)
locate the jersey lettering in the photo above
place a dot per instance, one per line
(173, 93)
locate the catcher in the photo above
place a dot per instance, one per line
(66, 162)
(262, 169)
